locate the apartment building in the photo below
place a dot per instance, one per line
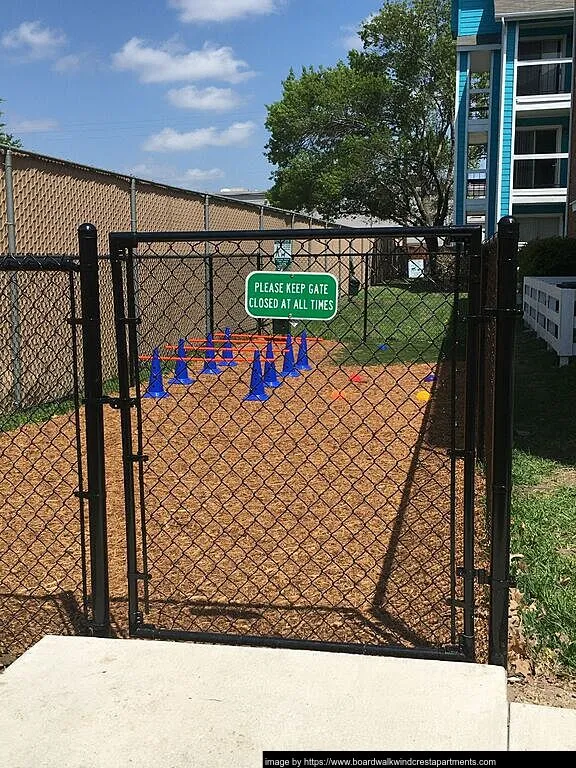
(513, 113)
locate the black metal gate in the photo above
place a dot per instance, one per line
(340, 513)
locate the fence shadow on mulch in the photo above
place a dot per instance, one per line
(445, 405)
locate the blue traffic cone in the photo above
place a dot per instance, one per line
(257, 391)
(210, 357)
(227, 350)
(270, 375)
(155, 384)
(288, 368)
(302, 363)
(181, 368)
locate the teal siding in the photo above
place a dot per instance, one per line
(476, 17)
(494, 138)
(507, 118)
(461, 165)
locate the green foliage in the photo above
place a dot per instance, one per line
(6, 139)
(548, 257)
(373, 136)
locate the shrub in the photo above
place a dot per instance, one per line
(548, 257)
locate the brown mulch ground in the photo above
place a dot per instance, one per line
(304, 517)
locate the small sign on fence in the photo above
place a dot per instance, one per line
(291, 295)
(282, 257)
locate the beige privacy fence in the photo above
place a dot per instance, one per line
(43, 201)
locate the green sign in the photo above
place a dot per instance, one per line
(292, 295)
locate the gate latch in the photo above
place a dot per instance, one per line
(116, 402)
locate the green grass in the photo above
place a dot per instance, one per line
(412, 322)
(544, 501)
(544, 533)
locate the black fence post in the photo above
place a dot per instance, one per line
(468, 571)
(365, 307)
(500, 491)
(94, 416)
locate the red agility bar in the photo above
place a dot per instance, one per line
(166, 358)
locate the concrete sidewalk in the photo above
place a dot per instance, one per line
(88, 703)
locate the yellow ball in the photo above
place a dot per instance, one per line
(422, 396)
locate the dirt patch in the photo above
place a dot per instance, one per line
(321, 514)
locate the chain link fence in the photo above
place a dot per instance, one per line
(43, 557)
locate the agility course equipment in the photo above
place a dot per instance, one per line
(289, 367)
(257, 391)
(430, 378)
(270, 375)
(181, 375)
(357, 378)
(210, 366)
(155, 387)
(302, 362)
(227, 351)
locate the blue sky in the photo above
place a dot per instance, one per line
(171, 90)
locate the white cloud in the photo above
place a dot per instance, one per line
(68, 63)
(42, 125)
(221, 10)
(169, 140)
(34, 40)
(165, 64)
(205, 99)
(351, 39)
(169, 175)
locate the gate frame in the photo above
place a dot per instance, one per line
(122, 245)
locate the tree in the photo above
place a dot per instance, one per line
(375, 135)
(6, 139)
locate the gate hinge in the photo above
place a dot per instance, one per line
(129, 320)
(74, 320)
(461, 453)
(139, 576)
(455, 603)
(139, 457)
(480, 575)
(86, 495)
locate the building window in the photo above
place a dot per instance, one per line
(534, 79)
(537, 227)
(545, 48)
(536, 173)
